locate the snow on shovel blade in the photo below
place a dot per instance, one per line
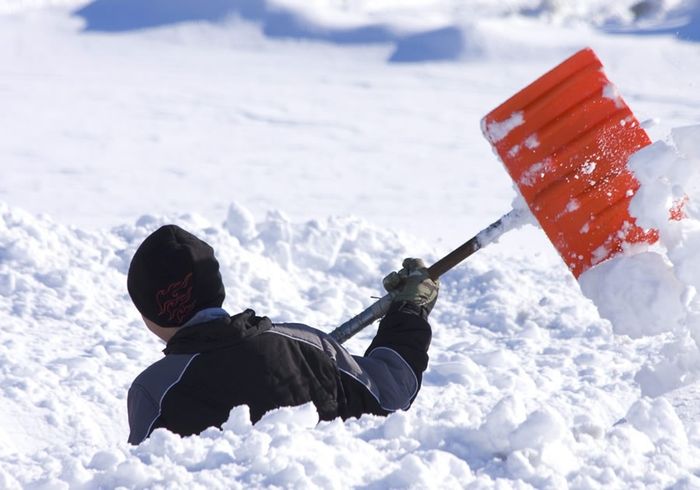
(565, 140)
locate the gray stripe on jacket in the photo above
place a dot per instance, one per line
(148, 390)
(385, 374)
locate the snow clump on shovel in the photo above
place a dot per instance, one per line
(653, 290)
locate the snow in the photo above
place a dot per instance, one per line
(534, 172)
(497, 130)
(611, 92)
(313, 164)
(649, 292)
(532, 142)
(639, 294)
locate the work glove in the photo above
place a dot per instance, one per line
(412, 285)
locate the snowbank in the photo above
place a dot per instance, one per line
(651, 292)
(420, 31)
(524, 384)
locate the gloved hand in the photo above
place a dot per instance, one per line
(413, 285)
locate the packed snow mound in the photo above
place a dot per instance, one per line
(340, 14)
(646, 292)
(525, 380)
(680, 19)
(420, 31)
(520, 390)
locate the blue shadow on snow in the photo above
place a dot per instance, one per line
(688, 29)
(441, 44)
(131, 15)
(683, 23)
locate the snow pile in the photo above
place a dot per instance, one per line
(420, 31)
(401, 16)
(524, 383)
(651, 292)
(639, 294)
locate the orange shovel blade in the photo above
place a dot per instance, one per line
(565, 140)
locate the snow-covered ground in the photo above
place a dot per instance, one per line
(289, 136)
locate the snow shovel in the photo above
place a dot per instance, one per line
(565, 140)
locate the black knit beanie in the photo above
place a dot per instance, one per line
(173, 275)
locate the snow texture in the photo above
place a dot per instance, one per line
(649, 292)
(497, 130)
(313, 168)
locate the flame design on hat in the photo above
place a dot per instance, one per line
(175, 301)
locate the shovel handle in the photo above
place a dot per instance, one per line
(377, 310)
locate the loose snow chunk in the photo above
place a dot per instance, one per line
(531, 174)
(532, 142)
(658, 420)
(240, 223)
(639, 294)
(496, 131)
(610, 92)
(588, 167)
(573, 205)
(541, 427)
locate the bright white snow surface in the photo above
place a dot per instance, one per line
(313, 165)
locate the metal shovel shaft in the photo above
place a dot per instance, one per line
(377, 310)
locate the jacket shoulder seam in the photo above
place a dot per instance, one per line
(291, 337)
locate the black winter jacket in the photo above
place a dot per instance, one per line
(211, 367)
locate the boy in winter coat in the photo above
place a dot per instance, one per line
(214, 361)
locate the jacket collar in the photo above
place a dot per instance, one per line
(217, 333)
(206, 315)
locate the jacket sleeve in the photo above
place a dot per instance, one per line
(387, 378)
(406, 331)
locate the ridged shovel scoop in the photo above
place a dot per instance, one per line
(565, 140)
